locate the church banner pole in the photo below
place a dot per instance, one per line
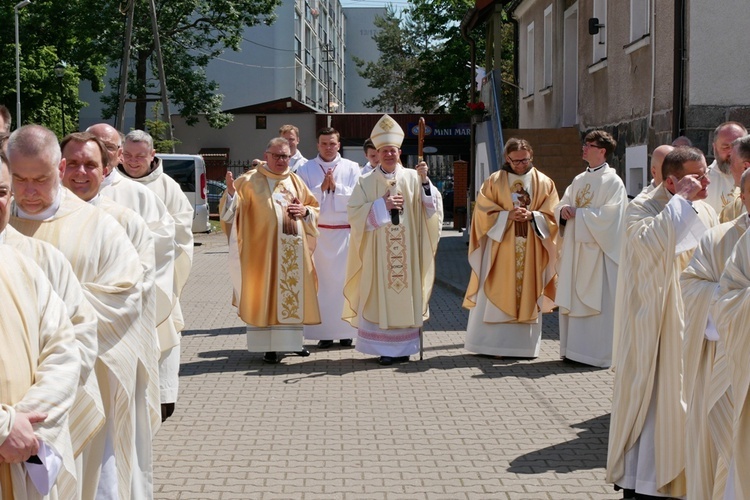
(420, 158)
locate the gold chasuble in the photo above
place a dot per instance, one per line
(110, 272)
(140, 236)
(39, 366)
(181, 210)
(87, 414)
(279, 286)
(537, 283)
(647, 352)
(147, 204)
(733, 209)
(705, 468)
(390, 269)
(732, 315)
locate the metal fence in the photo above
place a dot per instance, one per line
(441, 174)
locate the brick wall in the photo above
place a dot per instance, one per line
(557, 152)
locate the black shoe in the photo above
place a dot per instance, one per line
(167, 409)
(271, 358)
(304, 352)
(401, 359)
(325, 344)
(385, 361)
(345, 342)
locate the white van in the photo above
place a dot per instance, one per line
(190, 173)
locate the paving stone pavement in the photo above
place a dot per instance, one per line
(336, 425)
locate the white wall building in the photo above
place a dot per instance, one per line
(360, 28)
(301, 55)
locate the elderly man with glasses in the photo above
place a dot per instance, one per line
(512, 255)
(274, 218)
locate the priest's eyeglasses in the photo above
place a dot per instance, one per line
(279, 157)
(523, 161)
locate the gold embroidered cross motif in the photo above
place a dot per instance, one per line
(584, 196)
(386, 124)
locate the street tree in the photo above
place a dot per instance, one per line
(443, 73)
(394, 72)
(87, 35)
(192, 33)
(47, 38)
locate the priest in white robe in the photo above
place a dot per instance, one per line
(110, 272)
(332, 180)
(85, 158)
(139, 163)
(732, 315)
(738, 163)
(148, 205)
(591, 215)
(87, 414)
(291, 134)
(723, 185)
(373, 158)
(390, 268)
(39, 373)
(699, 282)
(657, 158)
(646, 438)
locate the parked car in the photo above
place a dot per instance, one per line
(190, 173)
(215, 190)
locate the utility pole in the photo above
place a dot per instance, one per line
(125, 67)
(327, 49)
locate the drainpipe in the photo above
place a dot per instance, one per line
(678, 83)
(516, 66)
(653, 65)
(472, 95)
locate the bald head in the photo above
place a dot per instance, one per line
(657, 158)
(111, 139)
(724, 135)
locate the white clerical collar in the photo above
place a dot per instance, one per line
(47, 212)
(95, 200)
(389, 175)
(297, 155)
(596, 169)
(2, 236)
(328, 164)
(107, 181)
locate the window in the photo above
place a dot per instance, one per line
(529, 60)
(636, 167)
(600, 39)
(639, 19)
(548, 47)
